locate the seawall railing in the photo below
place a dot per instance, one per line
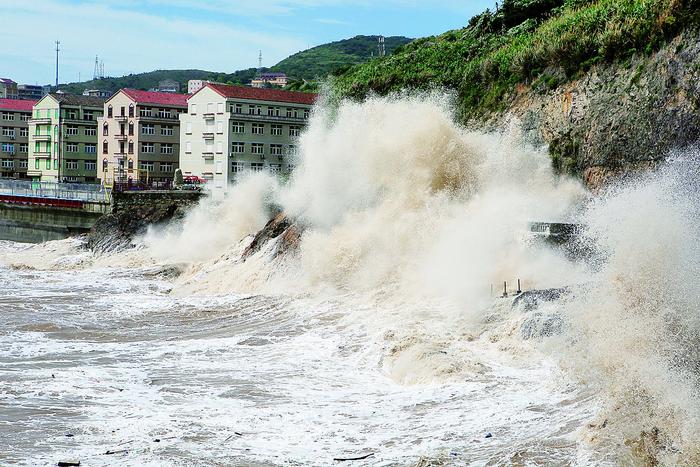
(66, 191)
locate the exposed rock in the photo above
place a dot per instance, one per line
(531, 299)
(281, 227)
(617, 118)
(133, 212)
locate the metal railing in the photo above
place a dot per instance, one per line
(70, 191)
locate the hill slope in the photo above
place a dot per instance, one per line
(309, 64)
(328, 58)
(533, 58)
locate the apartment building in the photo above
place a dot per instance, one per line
(271, 79)
(140, 136)
(8, 89)
(14, 137)
(32, 91)
(63, 138)
(228, 130)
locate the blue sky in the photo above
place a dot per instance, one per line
(133, 36)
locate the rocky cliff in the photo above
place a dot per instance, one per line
(617, 117)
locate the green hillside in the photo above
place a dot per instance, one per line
(329, 58)
(537, 43)
(300, 67)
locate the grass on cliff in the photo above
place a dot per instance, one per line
(540, 43)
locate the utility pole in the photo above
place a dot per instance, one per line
(58, 43)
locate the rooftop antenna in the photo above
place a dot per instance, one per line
(58, 43)
(96, 73)
(102, 69)
(381, 48)
(260, 63)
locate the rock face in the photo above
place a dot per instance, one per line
(617, 118)
(133, 212)
(280, 226)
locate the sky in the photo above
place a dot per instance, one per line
(134, 36)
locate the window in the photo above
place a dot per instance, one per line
(257, 148)
(258, 128)
(210, 107)
(71, 114)
(188, 147)
(145, 112)
(36, 163)
(90, 148)
(276, 149)
(109, 112)
(71, 130)
(193, 109)
(148, 148)
(24, 132)
(72, 165)
(131, 128)
(88, 115)
(131, 110)
(23, 148)
(306, 113)
(8, 164)
(270, 111)
(9, 132)
(166, 148)
(148, 130)
(291, 150)
(237, 148)
(237, 167)
(275, 168)
(219, 127)
(219, 147)
(238, 127)
(276, 130)
(25, 117)
(105, 130)
(220, 107)
(71, 147)
(8, 116)
(166, 130)
(188, 128)
(105, 147)
(130, 164)
(90, 165)
(257, 166)
(104, 165)
(147, 165)
(8, 148)
(289, 113)
(294, 131)
(90, 131)
(164, 113)
(23, 164)
(166, 166)
(131, 147)
(238, 109)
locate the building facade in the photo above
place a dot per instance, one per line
(63, 138)
(229, 130)
(32, 91)
(97, 93)
(8, 89)
(269, 79)
(167, 85)
(140, 136)
(14, 137)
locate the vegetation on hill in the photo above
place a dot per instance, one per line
(540, 43)
(336, 56)
(302, 68)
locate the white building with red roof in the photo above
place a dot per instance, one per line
(139, 137)
(230, 130)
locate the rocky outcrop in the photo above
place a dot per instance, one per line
(133, 212)
(280, 226)
(618, 117)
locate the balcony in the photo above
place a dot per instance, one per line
(208, 155)
(121, 137)
(209, 116)
(42, 137)
(41, 121)
(208, 135)
(121, 118)
(42, 155)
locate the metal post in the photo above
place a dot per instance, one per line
(519, 291)
(505, 289)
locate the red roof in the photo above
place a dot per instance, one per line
(158, 98)
(20, 105)
(262, 94)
